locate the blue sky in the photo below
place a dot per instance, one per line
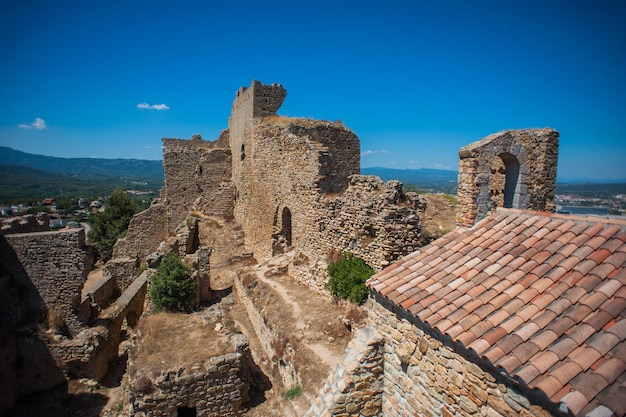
(415, 80)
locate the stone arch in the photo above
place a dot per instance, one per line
(528, 160)
(507, 181)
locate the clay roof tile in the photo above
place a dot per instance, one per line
(603, 342)
(544, 339)
(611, 369)
(589, 384)
(563, 347)
(566, 372)
(617, 259)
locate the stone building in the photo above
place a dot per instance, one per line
(523, 313)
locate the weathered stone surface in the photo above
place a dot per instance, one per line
(438, 381)
(513, 168)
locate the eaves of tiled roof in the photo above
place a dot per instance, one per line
(541, 297)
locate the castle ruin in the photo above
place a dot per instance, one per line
(293, 188)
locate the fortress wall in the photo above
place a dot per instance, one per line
(354, 389)
(51, 267)
(197, 177)
(372, 219)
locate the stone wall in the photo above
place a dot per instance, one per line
(355, 387)
(51, 267)
(289, 165)
(122, 270)
(372, 219)
(530, 159)
(218, 387)
(197, 177)
(25, 224)
(283, 358)
(146, 231)
(425, 376)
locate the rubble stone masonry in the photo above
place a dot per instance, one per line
(529, 158)
(425, 377)
(197, 177)
(53, 267)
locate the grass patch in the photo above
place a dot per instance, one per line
(293, 392)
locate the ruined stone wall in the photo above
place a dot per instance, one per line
(530, 159)
(423, 376)
(282, 358)
(51, 267)
(29, 223)
(355, 387)
(146, 231)
(289, 164)
(218, 387)
(197, 177)
(372, 219)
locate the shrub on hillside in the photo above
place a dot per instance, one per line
(172, 287)
(347, 278)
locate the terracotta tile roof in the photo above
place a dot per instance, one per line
(539, 296)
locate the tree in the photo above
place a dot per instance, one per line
(172, 287)
(348, 276)
(111, 224)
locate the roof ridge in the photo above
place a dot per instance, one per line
(576, 218)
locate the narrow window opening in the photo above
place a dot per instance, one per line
(286, 231)
(243, 152)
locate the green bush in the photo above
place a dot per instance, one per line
(347, 278)
(172, 287)
(293, 392)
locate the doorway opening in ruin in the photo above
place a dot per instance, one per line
(186, 411)
(504, 182)
(286, 230)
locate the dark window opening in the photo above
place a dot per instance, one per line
(243, 152)
(286, 231)
(186, 411)
(512, 171)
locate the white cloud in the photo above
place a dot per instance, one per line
(371, 152)
(39, 124)
(161, 106)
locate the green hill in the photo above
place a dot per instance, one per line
(23, 184)
(131, 169)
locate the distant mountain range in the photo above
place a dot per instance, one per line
(132, 169)
(29, 176)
